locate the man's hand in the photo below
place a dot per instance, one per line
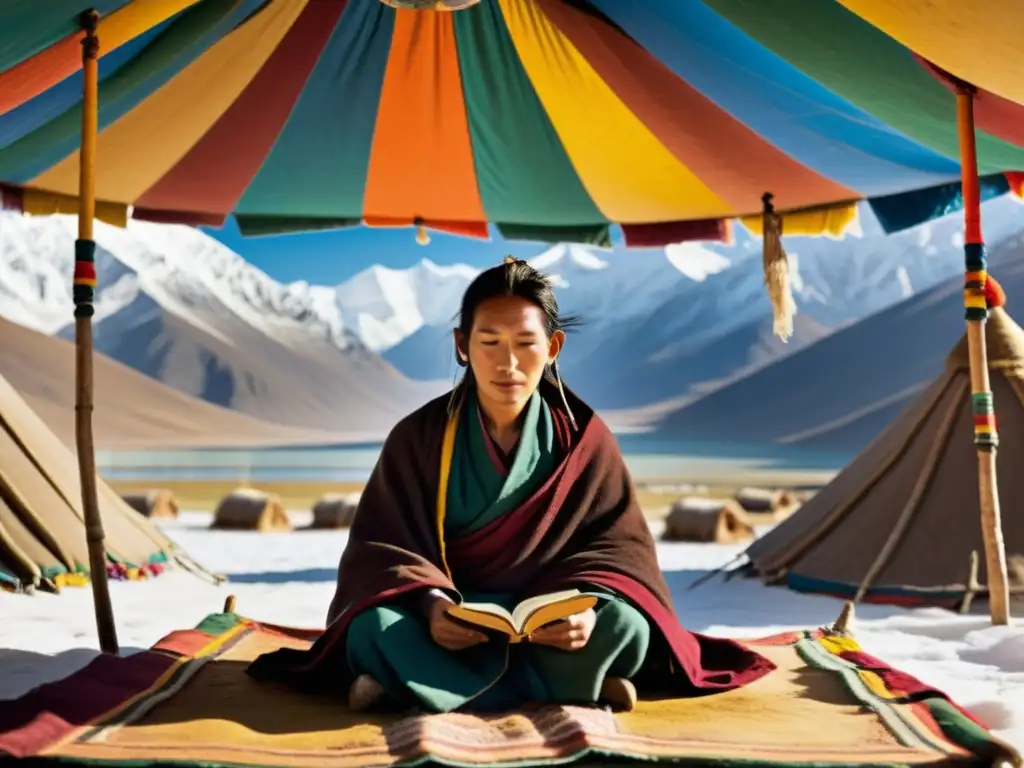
(570, 634)
(449, 633)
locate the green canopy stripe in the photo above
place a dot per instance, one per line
(322, 154)
(523, 171)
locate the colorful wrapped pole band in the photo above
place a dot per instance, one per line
(978, 284)
(975, 278)
(84, 290)
(985, 435)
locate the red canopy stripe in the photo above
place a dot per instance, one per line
(213, 175)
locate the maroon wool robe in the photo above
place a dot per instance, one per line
(583, 525)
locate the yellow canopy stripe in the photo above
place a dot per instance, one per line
(628, 172)
(135, 151)
(130, 21)
(977, 41)
(39, 203)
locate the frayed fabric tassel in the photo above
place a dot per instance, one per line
(776, 272)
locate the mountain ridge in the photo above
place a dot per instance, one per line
(692, 317)
(661, 327)
(183, 309)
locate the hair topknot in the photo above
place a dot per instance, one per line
(514, 277)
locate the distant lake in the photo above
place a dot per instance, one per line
(647, 458)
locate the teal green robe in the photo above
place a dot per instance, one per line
(393, 644)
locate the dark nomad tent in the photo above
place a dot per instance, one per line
(901, 524)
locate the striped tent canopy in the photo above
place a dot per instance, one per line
(550, 119)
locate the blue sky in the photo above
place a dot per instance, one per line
(328, 258)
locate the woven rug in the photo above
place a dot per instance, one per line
(188, 702)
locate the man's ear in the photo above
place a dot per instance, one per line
(555, 345)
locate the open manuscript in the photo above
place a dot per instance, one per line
(528, 616)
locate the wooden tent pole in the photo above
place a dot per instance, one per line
(986, 438)
(84, 296)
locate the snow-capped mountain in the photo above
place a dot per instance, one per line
(661, 323)
(385, 306)
(180, 307)
(658, 324)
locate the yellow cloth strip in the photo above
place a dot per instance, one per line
(876, 685)
(130, 21)
(137, 150)
(838, 644)
(71, 580)
(447, 452)
(833, 221)
(628, 172)
(37, 202)
(974, 300)
(978, 41)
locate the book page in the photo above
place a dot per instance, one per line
(552, 612)
(486, 615)
(528, 606)
(537, 613)
(528, 616)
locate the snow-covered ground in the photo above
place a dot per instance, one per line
(289, 579)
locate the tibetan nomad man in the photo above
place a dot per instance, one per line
(506, 488)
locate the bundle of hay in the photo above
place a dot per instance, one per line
(158, 502)
(334, 510)
(697, 518)
(248, 509)
(777, 503)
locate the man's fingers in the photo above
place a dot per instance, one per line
(562, 636)
(462, 638)
(455, 637)
(560, 631)
(454, 629)
(552, 631)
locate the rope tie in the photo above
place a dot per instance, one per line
(975, 278)
(981, 293)
(84, 283)
(88, 21)
(985, 435)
